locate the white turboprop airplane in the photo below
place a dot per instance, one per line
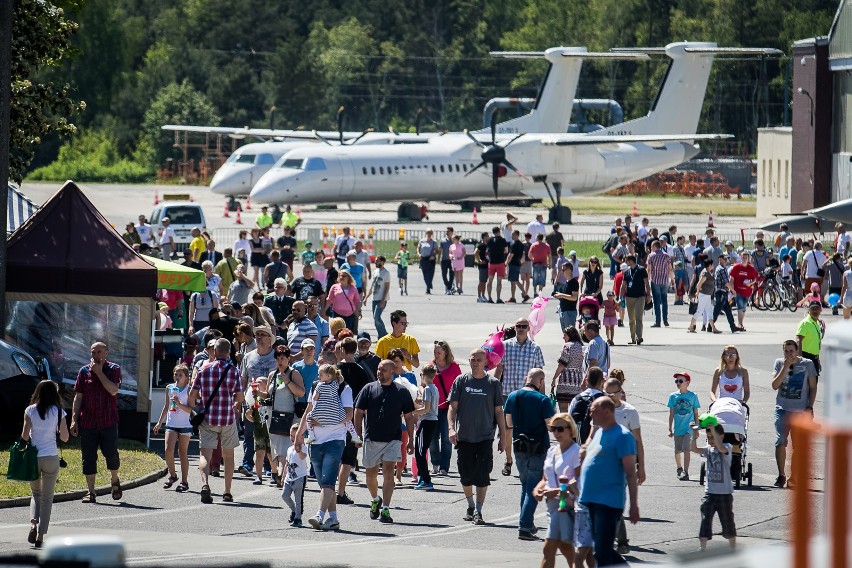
(570, 163)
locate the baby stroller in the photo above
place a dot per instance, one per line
(733, 416)
(587, 310)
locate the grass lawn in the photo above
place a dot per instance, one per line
(136, 461)
(659, 205)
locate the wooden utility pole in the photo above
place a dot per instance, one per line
(6, 10)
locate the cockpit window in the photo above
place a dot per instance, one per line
(242, 158)
(265, 159)
(292, 163)
(314, 164)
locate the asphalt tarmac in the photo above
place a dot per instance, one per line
(166, 529)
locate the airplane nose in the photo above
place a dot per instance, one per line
(265, 190)
(231, 181)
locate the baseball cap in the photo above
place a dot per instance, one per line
(264, 329)
(683, 374)
(572, 253)
(307, 343)
(815, 304)
(707, 420)
(309, 244)
(161, 305)
(664, 238)
(364, 336)
(731, 243)
(624, 266)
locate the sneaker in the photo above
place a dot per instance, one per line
(344, 500)
(375, 506)
(426, 486)
(245, 471)
(356, 439)
(352, 477)
(703, 328)
(685, 477)
(511, 301)
(620, 323)
(315, 522)
(292, 516)
(435, 469)
(477, 518)
(459, 291)
(414, 481)
(481, 300)
(622, 548)
(500, 301)
(639, 341)
(296, 523)
(385, 516)
(665, 323)
(525, 298)
(655, 325)
(469, 515)
(490, 301)
(330, 524)
(311, 438)
(444, 472)
(780, 481)
(526, 535)
(680, 473)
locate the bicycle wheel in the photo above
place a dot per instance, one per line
(771, 299)
(792, 304)
(757, 299)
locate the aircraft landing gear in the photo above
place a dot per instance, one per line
(408, 211)
(233, 204)
(558, 213)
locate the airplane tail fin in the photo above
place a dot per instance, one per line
(677, 108)
(552, 111)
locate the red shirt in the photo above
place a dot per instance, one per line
(743, 277)
(99, 409)
(539, 252)
(170, 297)
(221, 410)
(616, 282)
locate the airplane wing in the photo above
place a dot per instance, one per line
(586, 139)
(840, 212)
(267, 133)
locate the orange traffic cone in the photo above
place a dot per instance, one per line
(475, 218)
(635, 210)
(710, 224)
(226, 209)
(248, 203)
(156, 197)
(238, 220)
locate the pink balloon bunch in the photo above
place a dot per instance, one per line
(537, 315)
(494, 349)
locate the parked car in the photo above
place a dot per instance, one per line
(183, 216)
(19, 375)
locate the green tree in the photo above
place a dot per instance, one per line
(41, 102)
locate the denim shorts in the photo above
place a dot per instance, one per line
(539, 274)
(180, 431)
(326, 461)
(742, 301)
(782, 427)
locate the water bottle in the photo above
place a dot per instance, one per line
(563, 494)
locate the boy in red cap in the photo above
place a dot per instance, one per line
(683, 410)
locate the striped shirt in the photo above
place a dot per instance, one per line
(221, 410)
(327, 409)
(99, 409)
(518, 359)
(660, 265)
(298, 332)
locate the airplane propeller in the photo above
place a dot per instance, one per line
(340, 112)
(494, 155)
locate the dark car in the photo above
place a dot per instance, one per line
(19, 375)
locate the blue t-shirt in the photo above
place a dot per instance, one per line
(785, 250)
(530, 419)
(602, 479)
(683, 404)
(356, 270)
(409, 376)
(309, 375)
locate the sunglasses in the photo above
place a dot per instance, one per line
(680, 381)
(559, 429)
(731, 354)
(440, 343)
(521, 325)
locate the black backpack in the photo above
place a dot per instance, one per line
(580, 414)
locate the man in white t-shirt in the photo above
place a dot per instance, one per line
(842, 240)
(342, 245)
(167, 239)
(812, 262)
(507, 226)
(536, 228)
(144, 230)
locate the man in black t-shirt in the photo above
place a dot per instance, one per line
(306, 285)
(636, 290)
(516, 257)
(383, 402)
(287, 247)
(498, 250)
(567, 293)
(480, 259)
(555, 240)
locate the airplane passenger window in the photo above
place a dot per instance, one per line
(264, 159)
(464, 167)
(458, 169)
(396, 169)
(292, 163)
(314, 164)
(442, 168)
(390, 170)
(245, 159)
(364, 170)
(382, 170)
(373, 171)
(433, 168)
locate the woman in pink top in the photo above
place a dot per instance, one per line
(448, 370)
(345, 301)
(457, 254)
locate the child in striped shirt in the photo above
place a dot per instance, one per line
(326, 407)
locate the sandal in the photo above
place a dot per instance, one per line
(89, 498)
(507, 469)
(116, 491)
(170, 481)
(227, 498)
(182, 487)
(206, 497)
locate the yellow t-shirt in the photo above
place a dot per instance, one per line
(197, 246)
(264, 220)
(811, 332)
(404, 341)
(289, 219)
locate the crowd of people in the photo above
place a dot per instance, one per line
(278, 365)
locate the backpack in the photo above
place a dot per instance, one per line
(580, 414)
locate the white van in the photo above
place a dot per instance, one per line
(183, 216)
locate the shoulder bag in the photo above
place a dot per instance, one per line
(280, 422)
(197, 418)
(524, 442)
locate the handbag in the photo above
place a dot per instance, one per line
(23, 462)
(693, 307)
(280, 421)
(197, 418)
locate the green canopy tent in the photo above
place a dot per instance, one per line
(174, 276)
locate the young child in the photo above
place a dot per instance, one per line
(719, 492)
(325, 404)
(683, 410)
(814, 296)
(610, 319)
(256, 414)
(294, 480)
(178, 429)
(787, 269)
(308, 255)
(427, 413)
(402, 257)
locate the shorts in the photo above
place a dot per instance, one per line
(539, 274)
(514, 272)
(375, 453)
(682, 444)
(815, 359)
(104, 438)
(258, 259)
(279, 444)
(782, 427)
(610, 321)
(582, 528)
(180, 431)
(560, 526)
(498, 270)
(209, 436)
(350, 452)
(723, 504)
(742, 302)
(526, 268)
(402, 272)
(475, 461)
(483, 273)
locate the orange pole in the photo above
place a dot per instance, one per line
(839, 481)
(802, 430)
